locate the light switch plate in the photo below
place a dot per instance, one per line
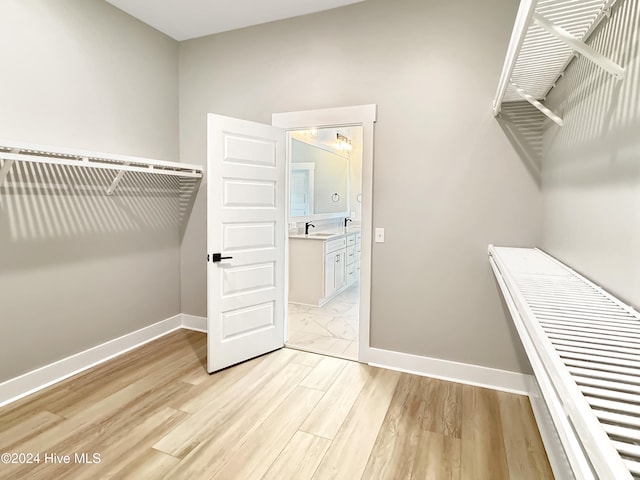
(379, 235)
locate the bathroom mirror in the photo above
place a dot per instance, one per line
(319, 179)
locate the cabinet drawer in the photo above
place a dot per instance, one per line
(337, 244)
(351, 240)
(351, 255)
(351, 273)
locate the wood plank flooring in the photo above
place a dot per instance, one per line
(154, 413)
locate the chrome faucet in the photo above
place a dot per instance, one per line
(306, 227)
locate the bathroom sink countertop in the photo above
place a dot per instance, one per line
(323, 236)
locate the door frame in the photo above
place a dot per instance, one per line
(365, 116)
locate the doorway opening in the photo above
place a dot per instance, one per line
(336, 322)
(324, 219)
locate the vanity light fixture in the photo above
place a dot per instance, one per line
(343, 142)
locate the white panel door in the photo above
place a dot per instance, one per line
(245, 240)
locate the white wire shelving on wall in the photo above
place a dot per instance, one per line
(582, 343)
(12, 152)
(547, 35)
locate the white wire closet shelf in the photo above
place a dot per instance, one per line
(546, 36)
(11, 151)
(584, 348)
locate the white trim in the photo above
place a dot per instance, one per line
(30, 382)
(466, 373)
(364, 115)
(326, 117)
(192, 322)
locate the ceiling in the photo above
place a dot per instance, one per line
(185, 19)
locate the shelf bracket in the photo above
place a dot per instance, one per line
(4, 171)
(579, 46)
(116, 181)
(549, 113)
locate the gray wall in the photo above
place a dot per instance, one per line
(591, 168)
(77, 268)
(447, 180)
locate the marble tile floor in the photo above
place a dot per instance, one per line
(331, 329)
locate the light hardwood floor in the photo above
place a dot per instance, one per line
(155, 413)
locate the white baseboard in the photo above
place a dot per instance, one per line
(453, 371)
(192, 322)
(31, 382)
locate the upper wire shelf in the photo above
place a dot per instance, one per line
(11, 152)
(547, 35)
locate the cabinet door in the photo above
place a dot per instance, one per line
(330, 274)
(340, 269)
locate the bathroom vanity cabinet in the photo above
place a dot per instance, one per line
(321, 266)
(352, 258)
